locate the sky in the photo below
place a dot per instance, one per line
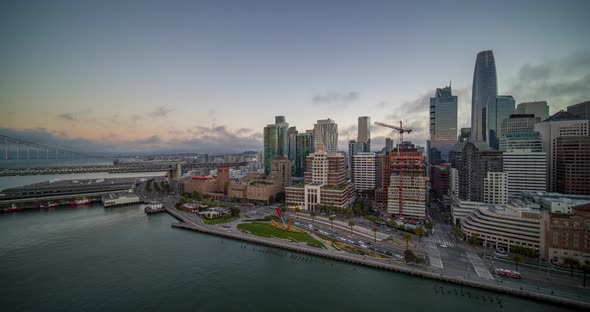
(207, 76)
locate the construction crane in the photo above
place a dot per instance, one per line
(401, 130)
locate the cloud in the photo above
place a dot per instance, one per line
(214, 139)
(71, 116)
(160, 111)
(560, 82)
(335, 97)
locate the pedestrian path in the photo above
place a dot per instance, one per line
(479, 265)
(434, 256)
(443, 242)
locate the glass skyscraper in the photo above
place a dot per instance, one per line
(497, 110)
(485, 88)
(443, 122)
(276, 141)
(304, 147)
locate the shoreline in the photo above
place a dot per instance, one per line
(184, 225)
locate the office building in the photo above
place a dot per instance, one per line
(498, 109)
(572, 165)
(522, 141)
(474, 160)
(441, 175)
(326, 132)
(292, 146)
(464, 134)
(526, 171)
(485, 90)
(304, 147)
(565, 235)
(354, 148)
(539, 109)
(561, 124)
(504, 226)
(518, 123)
(581, 110)
(325, 183)
(364, 133)
(263, 190)
(276, 141)
(407, 197)
(388, 145)
(443, 122)
(364, 171)
(495, 188)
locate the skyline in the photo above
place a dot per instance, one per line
(108, 78)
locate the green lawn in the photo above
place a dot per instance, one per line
(267, 230)
(220, 220)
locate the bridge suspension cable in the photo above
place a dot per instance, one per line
(25, 150)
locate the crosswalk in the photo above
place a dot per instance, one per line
(443, 242)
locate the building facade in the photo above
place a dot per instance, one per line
(566, 235)
(276, 141)
(495, 188)
(572, 165)
(526, 171)
(441, 175)
(522, 141)
(518, 123)
(473, 161)
(364, 173)
(304, 147)
(581, 110)
(443, 121)
(485, 89)
(561, 124)
(498, 109)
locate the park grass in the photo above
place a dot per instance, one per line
(267, 230)
(225, 219)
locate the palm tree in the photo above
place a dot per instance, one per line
(516, 259)
(420, 232)
(571, 262)
(313, 214)
(351, 224)
(297, 209)
(332, 218)
(407, 238)
(375, 233)
(394, 225)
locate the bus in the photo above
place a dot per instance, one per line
(507, 273)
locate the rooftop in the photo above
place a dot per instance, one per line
(563, 115)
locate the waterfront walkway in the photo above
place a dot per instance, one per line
(483, 283)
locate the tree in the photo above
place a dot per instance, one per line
(313, 214)
(407, 238)
(375, 233)
(394, 225)
(332, 218)
(420, 232)
(351, 224)
(571, 262)
(235, 211)
(297, 209)
(516, 259)
(409, 256)
(428, 225)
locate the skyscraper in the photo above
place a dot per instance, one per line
(292, 146)
(443, 121)
(364, 133)
(276, 141)
(473, 160)
(354, 148)
(485, 89)
(581, 110)
(304, 147)
(539, 109)
(326, 132)
(526, 170)
(561, 124)
(498, 109)
(388, 145)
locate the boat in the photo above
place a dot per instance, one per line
(53, 205)
(13, 208)
(81, 202)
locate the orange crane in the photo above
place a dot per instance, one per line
(401, 130)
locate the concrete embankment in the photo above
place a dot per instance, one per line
(372, 263)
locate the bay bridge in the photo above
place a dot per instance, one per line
(17, 150)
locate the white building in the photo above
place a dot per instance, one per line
(539, 109)
(495, 188)
(559, 125)
(504, 226)
(364, 168)
(526, 171)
